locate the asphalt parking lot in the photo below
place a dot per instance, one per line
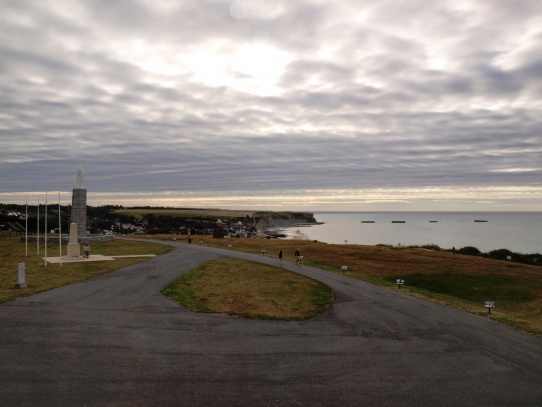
(114, 340)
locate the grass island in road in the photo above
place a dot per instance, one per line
(249, 289)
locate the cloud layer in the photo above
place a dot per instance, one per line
(310, 103)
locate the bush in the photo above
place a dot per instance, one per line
(431, 246)
(470, 251)
(502, 254)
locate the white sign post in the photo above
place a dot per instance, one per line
(344, 268)
(400, 282)
(489, 305)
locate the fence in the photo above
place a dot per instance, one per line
(10, 233)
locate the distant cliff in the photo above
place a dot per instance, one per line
(268, 220)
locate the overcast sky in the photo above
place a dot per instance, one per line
(274, 104)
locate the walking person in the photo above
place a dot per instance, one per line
(280, 256)
(86, 250)
(297, 255)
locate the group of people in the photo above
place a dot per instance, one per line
(297, 254)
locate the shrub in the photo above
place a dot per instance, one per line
(502, 254)
(431, 246)
(469, 251)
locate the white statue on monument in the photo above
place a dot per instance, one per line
(80, 178)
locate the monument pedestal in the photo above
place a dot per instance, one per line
(74, 250)
(79, 211)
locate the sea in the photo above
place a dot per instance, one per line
(519, 232)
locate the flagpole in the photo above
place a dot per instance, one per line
(59, 231)
(38, 227)
(26, 229)
(45, 229)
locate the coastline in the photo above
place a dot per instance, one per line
(289, 232)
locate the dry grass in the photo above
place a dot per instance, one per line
(41, 277)
(249, 289)
(463, 282)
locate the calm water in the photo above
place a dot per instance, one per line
(517, 231)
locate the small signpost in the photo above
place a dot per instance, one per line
(263, 252)
(229, 246)
(344, 268)
(399, 282)
(489, 305)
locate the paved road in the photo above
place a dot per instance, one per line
(114, 340)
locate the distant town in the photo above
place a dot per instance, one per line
(116, 219)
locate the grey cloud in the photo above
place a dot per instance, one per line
(357, 106)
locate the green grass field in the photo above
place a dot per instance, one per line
(249, 289)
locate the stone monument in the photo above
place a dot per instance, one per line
(79, 205)
(74, 250)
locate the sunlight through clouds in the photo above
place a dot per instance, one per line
(258, 68)
(312, 104)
